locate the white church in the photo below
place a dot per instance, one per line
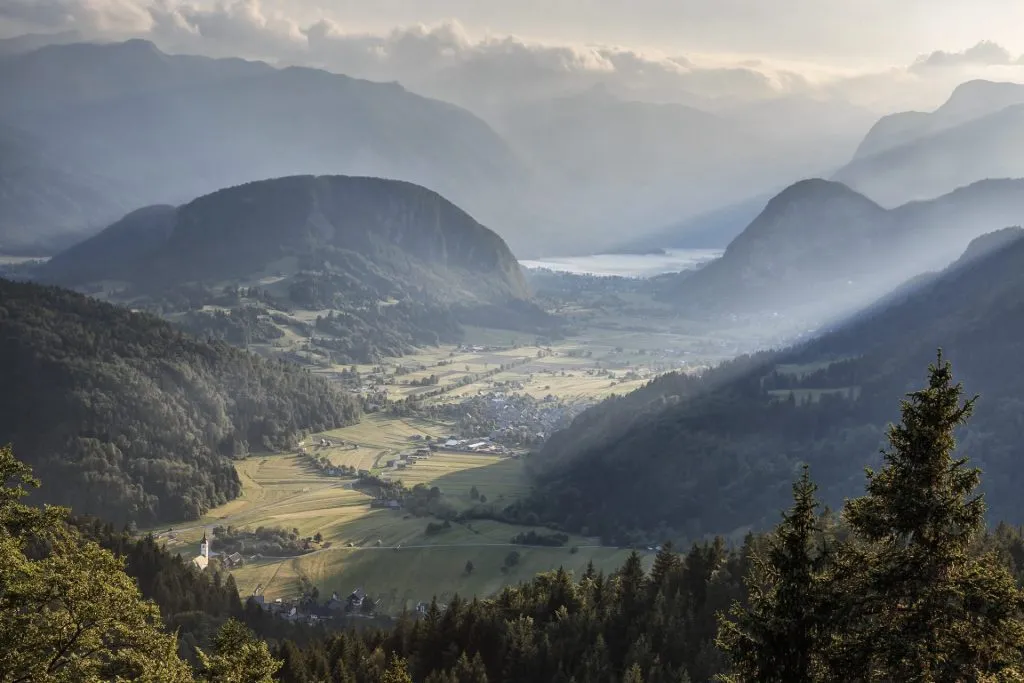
(203, 560)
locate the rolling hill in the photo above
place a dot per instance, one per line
(819, 250)
(129, 418)
(716, 454)
(164, 128)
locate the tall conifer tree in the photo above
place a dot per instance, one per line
(778, 637)
(912, 601)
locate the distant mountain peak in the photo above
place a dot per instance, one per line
(968, 102)
(979, 97)
(812, 191)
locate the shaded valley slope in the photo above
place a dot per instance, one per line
(716, 454)
(127, 417)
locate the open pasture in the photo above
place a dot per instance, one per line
(360, 542)
(402, 578)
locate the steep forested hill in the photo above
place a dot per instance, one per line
(397, 265)
(382, 234)
(821, 250)
(719, 458)
(126, 417)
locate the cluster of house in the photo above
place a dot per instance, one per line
(405, 460)
(357, 603)
(483, 445)
(510, 419)
(320, 443)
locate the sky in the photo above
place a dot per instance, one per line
(879, 54)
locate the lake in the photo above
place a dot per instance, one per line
(627, 265)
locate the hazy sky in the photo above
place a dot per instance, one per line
(884, 54)
(845, 32)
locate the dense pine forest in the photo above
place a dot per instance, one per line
(904, 584)
(127, 418)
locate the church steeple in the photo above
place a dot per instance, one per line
(204, 547)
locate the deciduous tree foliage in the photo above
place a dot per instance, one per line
(68, 612)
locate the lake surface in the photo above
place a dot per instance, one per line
(627, 265)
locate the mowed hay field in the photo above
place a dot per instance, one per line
(401, 578)
(282, 491)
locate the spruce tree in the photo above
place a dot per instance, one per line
(912, 601)
(778, 637)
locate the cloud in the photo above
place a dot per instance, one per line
(985, 53)
(445, 60)
(237, 28)
(94, 15)
(440, 59)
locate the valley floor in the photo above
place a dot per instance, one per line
(388, 553)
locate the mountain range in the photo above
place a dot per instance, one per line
(977, 134)
(820, 250)
(624, 166)
(160, 128)
(716, 453)
(152, 128)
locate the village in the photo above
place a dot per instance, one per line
(429, 472)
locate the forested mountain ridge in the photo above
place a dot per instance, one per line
(386, 265)
(115, 108)
(714, 460)
(823, 250)
(130, 418)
